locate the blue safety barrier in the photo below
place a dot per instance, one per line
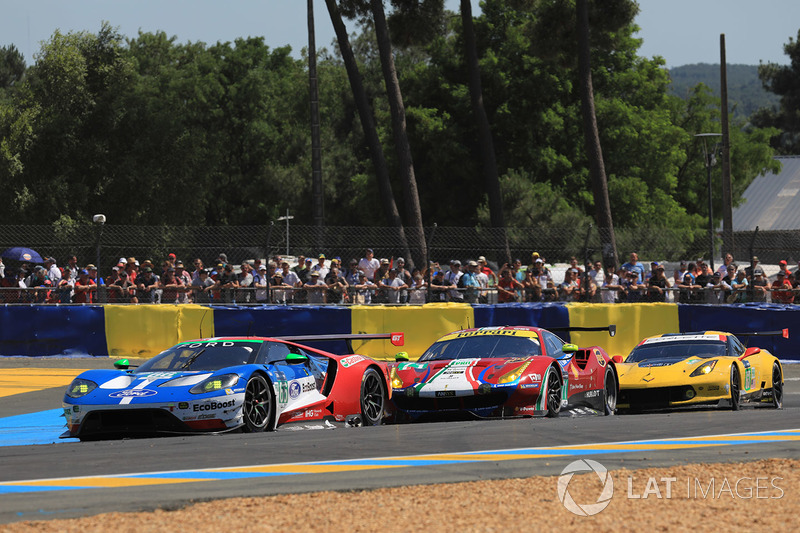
(39, 330)
(282, 321)
(746, 318)
(544, 315)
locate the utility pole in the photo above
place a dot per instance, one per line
(727, 188)
(317, 199)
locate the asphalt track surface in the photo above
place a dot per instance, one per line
(70, 479)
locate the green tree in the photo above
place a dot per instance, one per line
(784, 81)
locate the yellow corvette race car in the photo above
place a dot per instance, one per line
(709, 367)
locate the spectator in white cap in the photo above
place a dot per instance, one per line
(486, 269)
(53, 272)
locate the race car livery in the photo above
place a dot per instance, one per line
(504, 371)
(706, 368)
(221, 384)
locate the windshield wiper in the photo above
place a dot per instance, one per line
(192, 359)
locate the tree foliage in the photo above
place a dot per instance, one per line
(151, 131)
(783, 81)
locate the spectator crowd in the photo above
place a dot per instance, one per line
(370, 280)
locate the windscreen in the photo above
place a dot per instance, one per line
(676, 350)
(199, 356)
(490, 346)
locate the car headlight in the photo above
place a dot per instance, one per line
(397, 383)
(80, 387)
(513, 375)
(704, 369)
(215, 383)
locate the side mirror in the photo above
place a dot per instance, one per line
(570, 348)
(618, 359)
(296, 359)
(751, 351)
(401, 356)
(122, 364)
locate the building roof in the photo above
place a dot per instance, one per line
(772, 201)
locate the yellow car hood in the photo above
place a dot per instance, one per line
(657, 374)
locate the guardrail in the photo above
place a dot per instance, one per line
(323, 295)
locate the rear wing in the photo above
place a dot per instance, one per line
(397, 339)
(780, 332)
(612, 329)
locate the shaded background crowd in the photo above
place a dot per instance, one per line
(369, 280)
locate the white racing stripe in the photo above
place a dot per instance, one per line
(127, 399)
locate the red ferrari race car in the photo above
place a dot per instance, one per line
(503, 372)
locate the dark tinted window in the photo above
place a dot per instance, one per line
(483, 346)
(555, 346)
(676, 350)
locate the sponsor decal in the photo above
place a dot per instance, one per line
(294, 389)
(592, 393)
(76, 409)
(209, 344)
(530, 386)
(491, 331)
(213, 406)
(160, 375)
(536, 377)
(576, 386)
(600, 360)
(133, 393)
(308, 387)
(683, 338)
(526, 409)
(308, 414)
(397, 339)
(713, 387)
(692, 361)
(183, 405)
(228, 391)
(416, 366)
(351, 360)
(206, 417)
(445, 393)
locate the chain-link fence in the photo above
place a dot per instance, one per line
(104, 245)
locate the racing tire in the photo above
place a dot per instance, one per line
(610, 391)
(553, 399)
(373, 398)
(735, 387)
(259, 404)
(777, 386)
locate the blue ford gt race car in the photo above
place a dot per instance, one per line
(227, 383)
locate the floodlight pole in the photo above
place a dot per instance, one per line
(287, 218)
